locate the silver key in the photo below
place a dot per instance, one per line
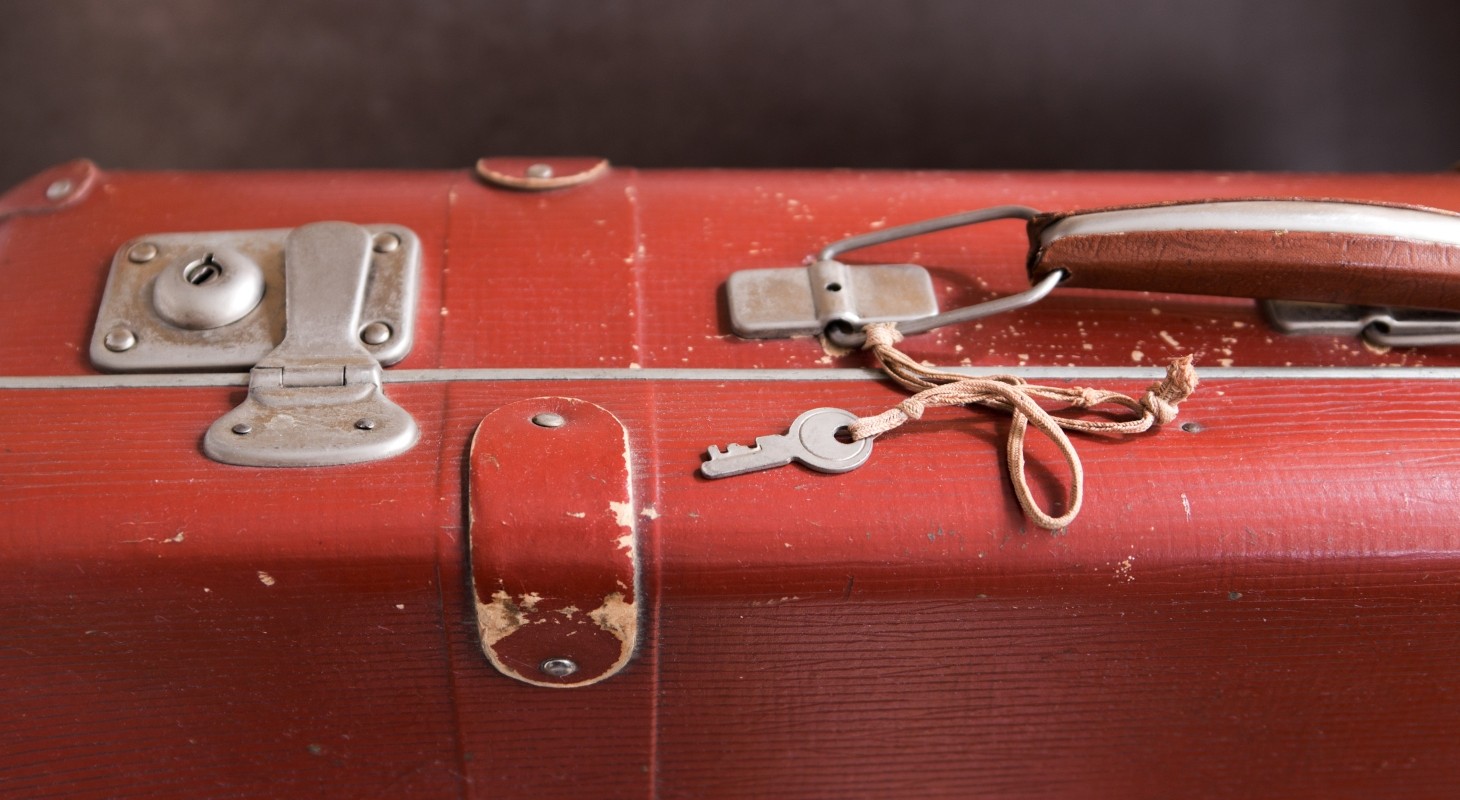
(811, 440)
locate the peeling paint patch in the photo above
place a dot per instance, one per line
(1123, 569)
(578, 514)
(622, 512)
(1186, 504)
(529, 601)
(773, 602)
(265, 578)
(499, 618)
(649, 513)
(618, 617)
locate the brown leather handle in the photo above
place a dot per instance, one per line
(1320, 250)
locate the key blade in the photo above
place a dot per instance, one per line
(730, 451)
(769, 452)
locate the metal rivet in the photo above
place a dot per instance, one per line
(376, 333)
(540, 171)
(558, 667)
(243, 429)
(548, 419)
(142, 253)
(386, 243)
(365, 424)
(120, 340)
(59, 190)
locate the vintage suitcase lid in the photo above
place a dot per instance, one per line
(1308, 482)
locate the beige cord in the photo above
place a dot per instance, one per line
(1012, 394)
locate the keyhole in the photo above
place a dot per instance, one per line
(203, 271)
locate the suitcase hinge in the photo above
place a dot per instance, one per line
(316, 399)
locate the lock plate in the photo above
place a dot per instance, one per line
(802, 301)
(162, 283)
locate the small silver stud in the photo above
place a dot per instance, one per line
(540, 171)
(366, 424)
(120, 340)
(558, 667)
(243, 429)
(548, 419)
(386, 242)
(59, 190)
(142, 253)
(376, 333)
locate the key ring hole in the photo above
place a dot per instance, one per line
(833, 287)
(844, 435)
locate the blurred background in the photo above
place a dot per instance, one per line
(1108, 84)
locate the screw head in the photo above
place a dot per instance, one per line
(120, 340)
(376, 333)
(386, 242)
(142, 253)
(243, 429)
(548, 419)
(365, 424)
(59, 190)
(558, 667)
(540, 171)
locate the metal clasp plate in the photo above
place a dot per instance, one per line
(1379, 325)
(314, 311)
(803, 301)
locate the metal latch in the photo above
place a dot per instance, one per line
(314, 311)
(839, 299)
(1380, 325)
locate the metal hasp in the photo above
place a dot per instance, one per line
(312, 311)
(316, 399)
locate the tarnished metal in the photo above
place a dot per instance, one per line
(837, 299)
(316, 399)
(811, 440)
(803, 301)
(1380, 325)
(120, 340)
(187, 315)
(216, 289)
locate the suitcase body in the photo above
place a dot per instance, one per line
(1263, 602)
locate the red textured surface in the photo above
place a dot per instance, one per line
(548, 570)
(1267, 607)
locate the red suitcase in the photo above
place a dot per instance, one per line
(532, 590)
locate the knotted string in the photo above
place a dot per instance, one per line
(1012, 394)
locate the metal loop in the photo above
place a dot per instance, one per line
(843, 334)
(831, 251)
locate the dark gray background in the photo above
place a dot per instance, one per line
(1304, 84)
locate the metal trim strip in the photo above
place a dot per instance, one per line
(168, 381)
